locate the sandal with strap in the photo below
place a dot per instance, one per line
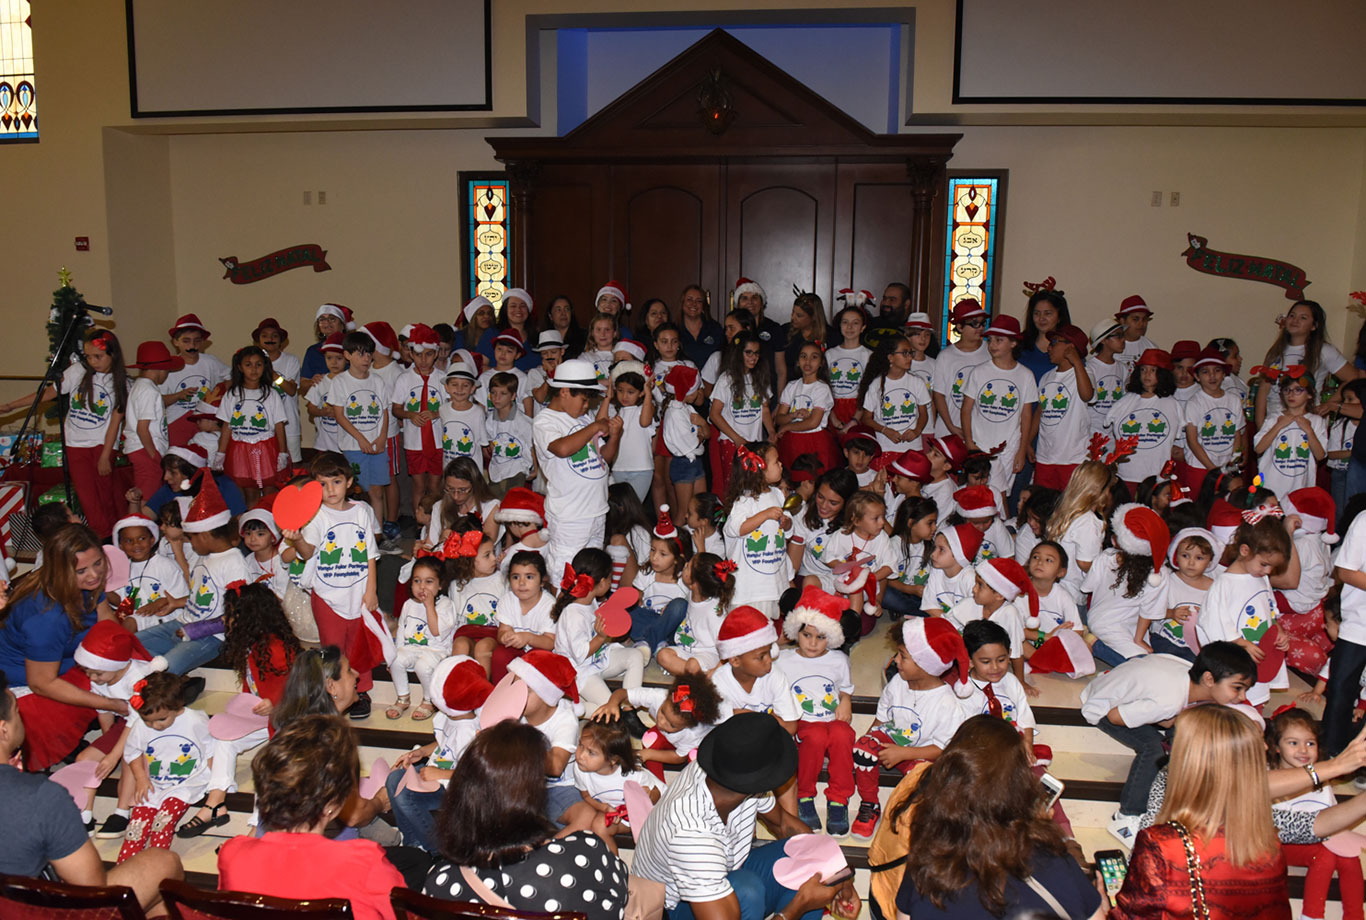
(218, 816)
(424, 711)
(397, 710)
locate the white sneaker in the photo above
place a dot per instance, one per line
(1124, 828)
(1360, 781)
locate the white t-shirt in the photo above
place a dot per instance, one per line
(408, 392)
(924, 369)
(86, 424)
(1056, 608)
(574, 632)
(655, 595)
(364, 402)
(843, 546)
(1180, 594)
(999, 397)
(576, 486)
(1351, 555)
(479, 601)
(635, 452)
(462, 433)
(536, 620)
(816, 683)
(744, 412)
(1330, 360)
(770, 693)
(919, 718)
(763, 567)
(251, 415)
(327, 425)
(1009, 692)
(1145, 690)
(1113, 616)
(562, 731)
(151, 580)
(944, 591)
(1007, 616)
(210, 577)
(1082, 540)
(696, 635)
(815, 541)
(203, 375)
(684, 740)
(951, 369)
(798, 395)
(711, 368)
(344, 544)
(452, 737)
(510, 443)
(997, 543)
(273, 572)
(122, 689)
(1064, 419)
(609, 789)
(288, 367)
(1316, 573)
(1341, 436)
(1289, 463)
(679, 431)
(1158, 422)
(897, 404)
(414, 628)
(481, 393)
(144, 405)
(177, 756)
(1132, 352)
(846, 370)
(1217, 420)
(1108, 380)
(1241, 607)
(389, 373)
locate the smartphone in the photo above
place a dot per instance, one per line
(1054, 787)
(1112, 865)
(839, 878)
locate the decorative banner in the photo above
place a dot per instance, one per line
(1249, 268)
(282, 260)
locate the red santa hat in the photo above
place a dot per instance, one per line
(383, 335)
(459, 686)
(748, 286)
(110, 647)
(950, 445)
(519, 294)
(472, 308)
(137, 520)
(1316, 509)
(964, 542)
(1223, 520)
(819, 609)
(422, 337)
(192, 454)
(680, 380)
(1132, 304)
(264, 512)
(743, 630)
(333, 343)
(511, 338)
(1064, 653)
(187, 323)
(966, 309)
(617, 290)
(549, 676)
(208, 510)
(634, 349)
(664, 525)
(975, 502)
(912, 464)
(521, 506)
(938, 649)
(1140, 531)
(341, 312)
(1010, 580)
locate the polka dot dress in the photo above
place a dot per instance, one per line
(577, 874)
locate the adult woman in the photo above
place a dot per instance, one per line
(463, 492)
(519, 312)
(1216, 818)
(499, 849)
(560, 317)
(735, 322)
(699, 335)
(981, 835)
(478, 325)
(651, 314)
(807, 325)
(330, 318)
(49, 612)
(1047, 311)
(1302, 341)
(612, 300)
(304, 776)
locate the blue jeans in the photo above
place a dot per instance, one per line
(639, 480)
(657, 629)
(181, 657)
(557, 799)
(755, 888)
(413, 812)
(1344, 684)
(1164, 646)
(901, 604)
(1104, 653)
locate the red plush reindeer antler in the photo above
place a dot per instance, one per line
(1124, 448)
(1096, 449)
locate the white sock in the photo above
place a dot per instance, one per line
(86, 816)
(121, 812)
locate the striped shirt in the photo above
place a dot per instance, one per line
(686, 846)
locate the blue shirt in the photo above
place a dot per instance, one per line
(1037, 361)
(709, 339)
(313, 363)
(232, 496)
(38, 629)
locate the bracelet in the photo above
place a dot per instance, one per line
(1313, 776)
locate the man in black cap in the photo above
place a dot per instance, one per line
(699, 840)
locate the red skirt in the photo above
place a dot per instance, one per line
(252, 462)
(846, 409)
(820, 444)
(55, 728)
(475, 633)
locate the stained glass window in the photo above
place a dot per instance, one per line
(488, 231)
(18, 102)
(971, 243)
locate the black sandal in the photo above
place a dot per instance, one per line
(218, 816)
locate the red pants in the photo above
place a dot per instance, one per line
(1192, 477)
(1309, 643)
(100, 498)
(657, 742)
(146, 472)
(1322, 863)
(151, 827)
(721, 453)
(816, 741)
(54, 729)
(1053, 475)
(351, 636)
(866, 765)
(502, 657)
(181, 430)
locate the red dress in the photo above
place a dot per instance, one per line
(1158, 885)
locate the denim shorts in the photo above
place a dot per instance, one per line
(686, 469)
(370, 469)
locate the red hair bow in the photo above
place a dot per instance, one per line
(683, 698)
(723, 568)
(1286, 708)
(100, 341)
(135, 701)
(1294, 372)
(457, 546)
(577, 585)
(751, 461)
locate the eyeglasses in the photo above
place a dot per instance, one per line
(1297, 389)
(751, 354)
(902, 351)
(974, 323)
(454, 491)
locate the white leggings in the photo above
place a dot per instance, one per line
(420, 658)
(623, 662)
(223, 771)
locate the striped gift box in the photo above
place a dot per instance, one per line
(12, 495)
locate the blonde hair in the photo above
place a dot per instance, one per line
(1087, 490)
(1216, 782)
(858, 505)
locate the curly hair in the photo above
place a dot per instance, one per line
(702, 693)
(255, 619)
(1132, 571)
(311, 764)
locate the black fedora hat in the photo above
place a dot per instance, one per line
(749, 752)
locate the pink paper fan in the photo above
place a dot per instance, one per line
(507, 701)
(237, 720)
(638, 806)
(806, 855)
(120, 569)
(78, 779)
(372, 784)
(1345, 843)
(616, 612)
(413, 780)
(853, 562)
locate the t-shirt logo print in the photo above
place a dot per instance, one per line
(998, 400)
(343, 558)
(815, 695)
(1055, 400)
(171, 759)
(904, 726)
(92, 415)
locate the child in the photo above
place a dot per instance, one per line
(1349, 650)
(804, 410)
(1126, 583)
(1240, 607)
(993, 689)
(342, 535)
(683, 713)
(260, 647)
(863, 537)
(847, 363)
(156, 584)
(920, 333)
(954, 364)
(1301, 601)
(978, 506)
(270, 337)
(324, 418)
(521, 514)
(946, 455)
(663, 596)
(1292, 740)
(951, 576)
(1341, 437)
(550, 348)
(252, 441)
(1184, 353)
(1106, 373)
(1214, 422)
(550, 708)
(1062, 423)
(523, 620)
(916, 522)
(666, 349)
(425, 627)
(816, 524)
(602, 342)
(705, 516)
(860, 446)
(633, 403)
(756, 526)
(1191, 558)
(627, 531)
(997, 585)
(999, 403)
(580, 634)
(1057, 611)
(739, 405)
(359, 401)
(819, 680)
(1134, 315)
(1291, 444)
(906, 476)
(711, 585)
(1037, 505)
(145, 437)
(747, 679)
(420, 413)
(918, 712)
(210, 433)
(261, 537)
(462, 422)
(603, 763)
(1078, 522)
(1135, 702)
(385, 371)
(508, 348)
(183, 389)
(167, 749)
(894, 402)
(475, 587)
(1149, 411)
(512, 462)
(681, 434)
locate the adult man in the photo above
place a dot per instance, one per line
(750, 296)
(891, 314)
(44, 835)
(699, 840)
(699, 335)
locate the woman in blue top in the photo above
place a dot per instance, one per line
(49, 612)
(330, 318)
(1047, 311)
